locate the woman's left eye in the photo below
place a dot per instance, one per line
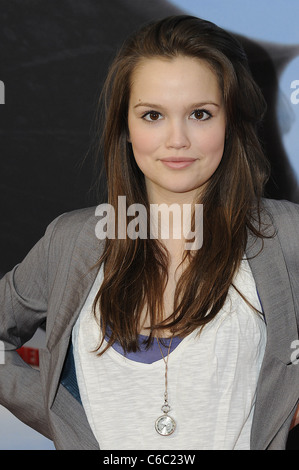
(201, 115)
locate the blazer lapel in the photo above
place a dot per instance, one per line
(278, 375)
(82, 274)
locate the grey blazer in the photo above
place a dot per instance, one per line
(53, 282)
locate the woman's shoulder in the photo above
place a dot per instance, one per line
(280, 207)
(73, 222)
(281, 214)
(284, 217)
(72, 229)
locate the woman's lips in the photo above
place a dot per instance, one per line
(177, 163)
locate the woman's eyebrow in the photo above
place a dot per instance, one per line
(147, 105)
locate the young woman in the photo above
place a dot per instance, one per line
(153, 343)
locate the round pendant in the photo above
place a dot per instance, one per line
(165, 425)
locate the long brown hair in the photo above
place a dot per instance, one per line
(135, 271)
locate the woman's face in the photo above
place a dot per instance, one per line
(176, 122)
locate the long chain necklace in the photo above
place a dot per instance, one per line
(165, 424)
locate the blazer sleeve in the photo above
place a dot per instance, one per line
(23, 308)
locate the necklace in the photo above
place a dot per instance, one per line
(165, 424)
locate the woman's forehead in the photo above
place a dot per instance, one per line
(176, 79)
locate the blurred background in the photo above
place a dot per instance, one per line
(53, 60)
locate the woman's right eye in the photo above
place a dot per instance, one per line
(152, 116)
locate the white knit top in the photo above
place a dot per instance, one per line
(211, 381)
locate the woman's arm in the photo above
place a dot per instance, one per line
(23, 307)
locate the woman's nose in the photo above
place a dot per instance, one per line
(177, 136)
